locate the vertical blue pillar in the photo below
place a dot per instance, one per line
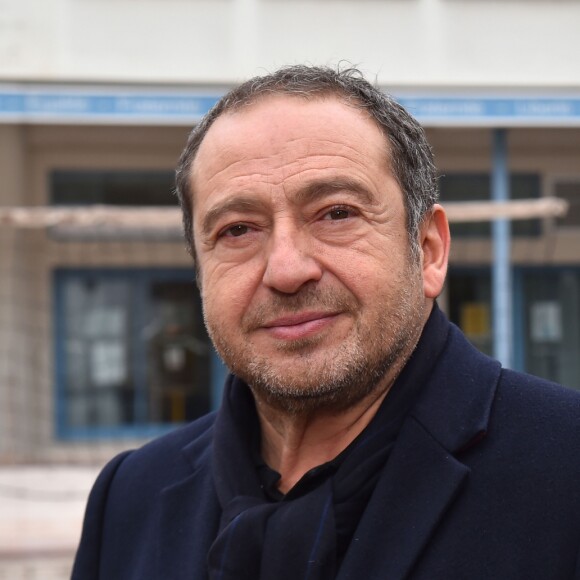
(501, 273)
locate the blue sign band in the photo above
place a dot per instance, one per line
(34, 106)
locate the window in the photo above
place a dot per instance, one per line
(112, 187)
(546, 317)
(133, 356)
(549, 326)
(477, 187)
(107, 187)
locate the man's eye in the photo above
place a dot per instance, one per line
(235, 231)
(338, 213)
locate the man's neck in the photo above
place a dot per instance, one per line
(292, 445)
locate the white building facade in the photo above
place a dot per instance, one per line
(102, 342)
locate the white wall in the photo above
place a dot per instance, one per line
(404, 42)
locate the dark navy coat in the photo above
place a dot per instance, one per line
(483, 484)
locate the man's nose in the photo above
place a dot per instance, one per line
(291, 262)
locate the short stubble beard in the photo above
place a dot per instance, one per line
(367, 361)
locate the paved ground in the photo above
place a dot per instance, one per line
(41, 515)
(45, 568)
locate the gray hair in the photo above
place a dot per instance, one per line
(406, 147)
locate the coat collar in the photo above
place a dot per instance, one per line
(455, 406)
(424, 474)
(423, 477)
(189, 517)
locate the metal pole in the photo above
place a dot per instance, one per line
(501, 273)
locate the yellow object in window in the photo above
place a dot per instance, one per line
(475, 321)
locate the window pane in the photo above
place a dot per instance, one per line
(178, 354)
(112, 187)
(552, 325)
(470, 306)
(135, 350)
(98, 352)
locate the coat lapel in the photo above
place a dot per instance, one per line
(424, 474)
(189, 519)
(418, 485)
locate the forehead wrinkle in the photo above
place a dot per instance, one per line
(318, 147)
(216, 174)
(360, 157)
(297, 165)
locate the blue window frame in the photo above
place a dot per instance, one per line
(132, 354)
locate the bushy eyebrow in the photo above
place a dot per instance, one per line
(242, 204)
(319, 189)
(310, 193)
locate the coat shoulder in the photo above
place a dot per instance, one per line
(532, 399)
(534, 434)
(115, 511)
(164, 459)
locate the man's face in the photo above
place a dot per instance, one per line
(309, 289)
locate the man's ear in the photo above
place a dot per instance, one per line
(435, 241)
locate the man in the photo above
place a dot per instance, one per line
(360, 435)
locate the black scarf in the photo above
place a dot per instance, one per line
(303, 536)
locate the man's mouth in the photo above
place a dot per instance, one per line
(299, 325)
